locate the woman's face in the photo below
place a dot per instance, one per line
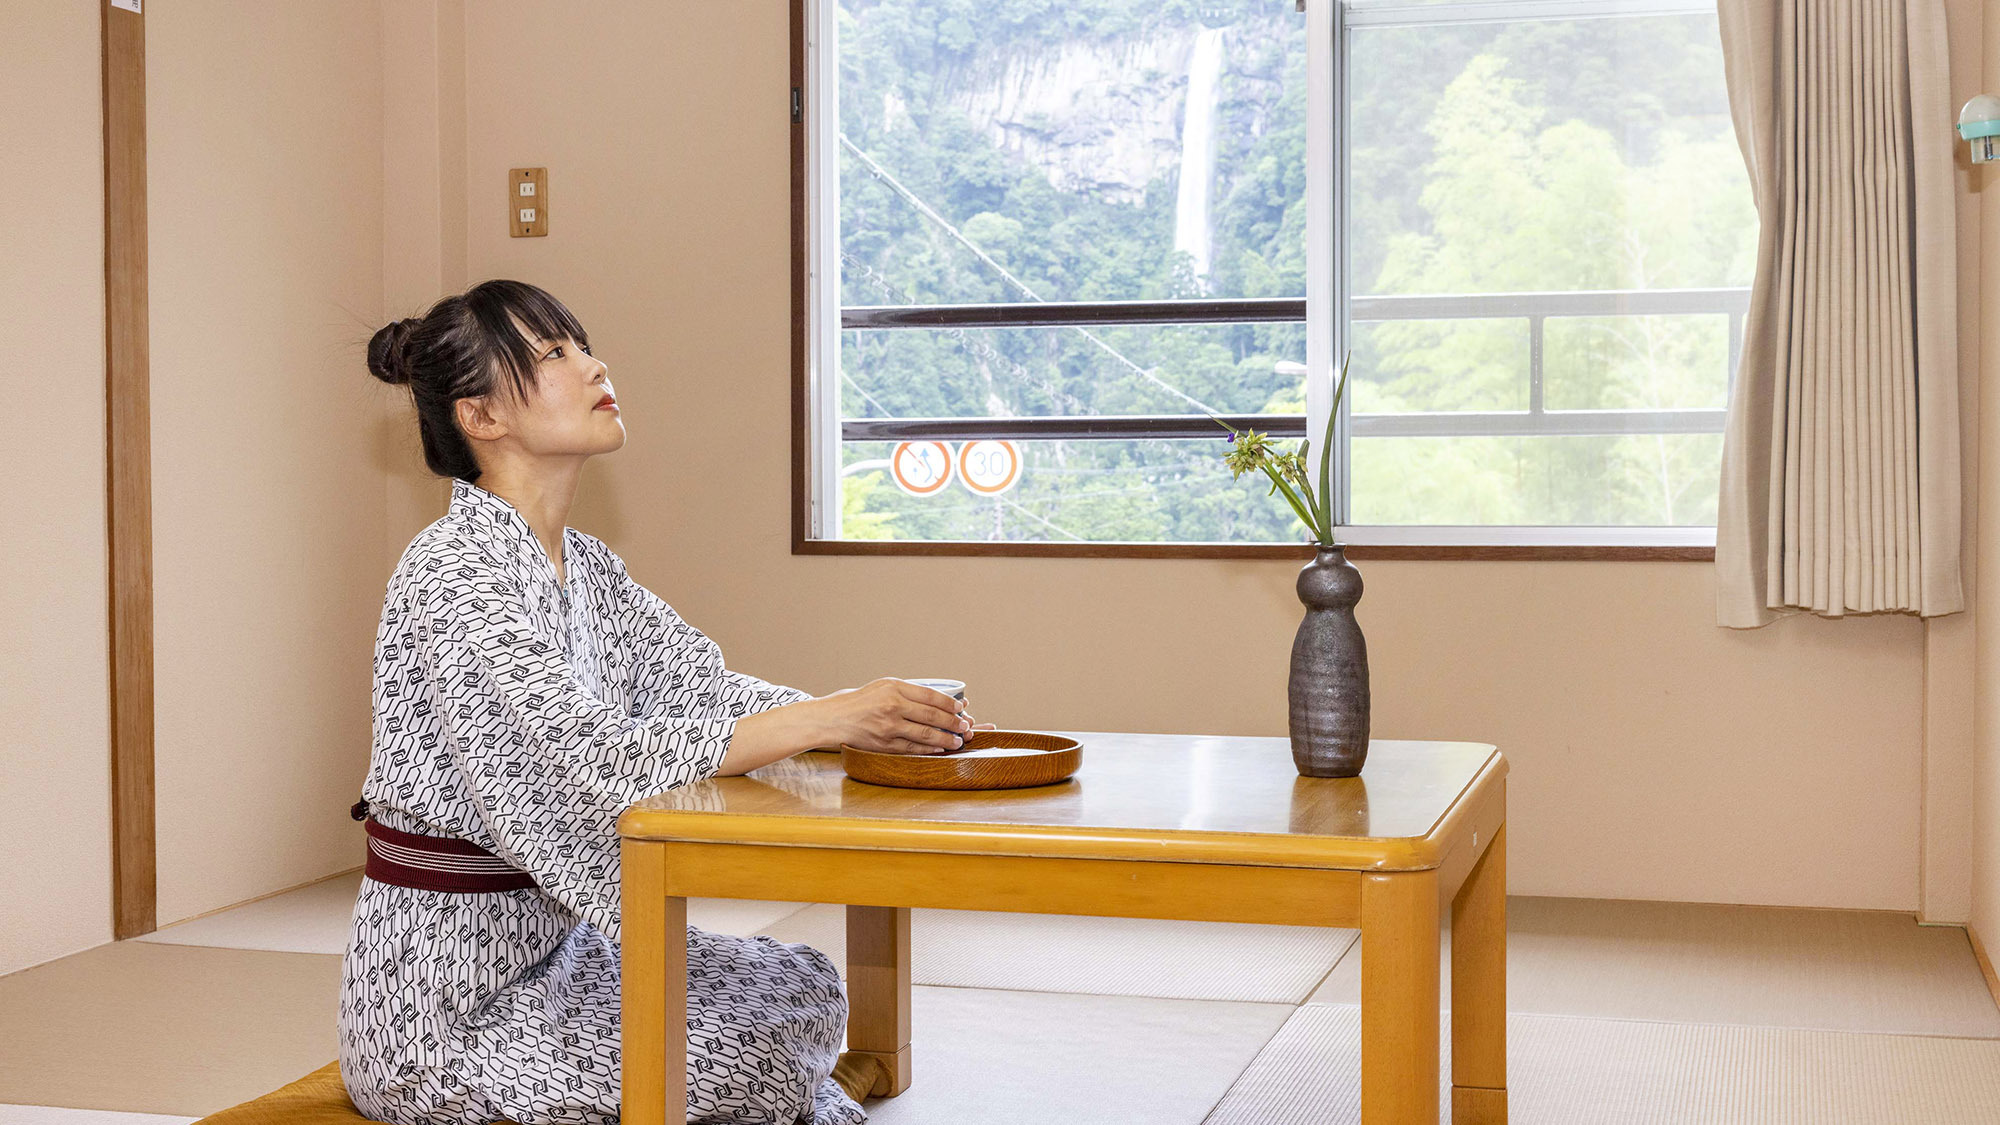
(566, 412)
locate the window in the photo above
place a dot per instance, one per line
(1059, 242)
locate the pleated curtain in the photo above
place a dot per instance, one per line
(1840, 464)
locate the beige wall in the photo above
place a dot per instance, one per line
(1654, 754)
(423, 129)
(1985, 781)
(1950, 642)
(267, 234)
(55, 836)
(346, 165)
(265, 154)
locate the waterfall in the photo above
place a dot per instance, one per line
(1198, 149)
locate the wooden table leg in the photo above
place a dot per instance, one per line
(1479, 991)
(878, 992)
(1399, 999)
(653, 989)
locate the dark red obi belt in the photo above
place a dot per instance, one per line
(436, 863)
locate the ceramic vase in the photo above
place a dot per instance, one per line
(1329, 682)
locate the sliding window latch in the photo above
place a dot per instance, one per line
(798, 109)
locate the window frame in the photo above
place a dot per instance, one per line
(1327, 309)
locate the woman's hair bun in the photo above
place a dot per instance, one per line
(388, 358)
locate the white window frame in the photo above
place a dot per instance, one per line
(1329, 302)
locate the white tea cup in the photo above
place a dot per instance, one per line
(953, 688)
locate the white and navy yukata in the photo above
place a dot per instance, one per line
(523, 714)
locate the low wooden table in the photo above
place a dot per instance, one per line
(1152, 826)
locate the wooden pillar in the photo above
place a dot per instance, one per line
(128, 472)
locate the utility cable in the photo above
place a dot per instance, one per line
(895, 185)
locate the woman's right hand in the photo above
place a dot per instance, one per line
(894, 717)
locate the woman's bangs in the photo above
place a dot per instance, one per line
(546, 317)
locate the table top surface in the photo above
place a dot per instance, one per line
(1140, 796)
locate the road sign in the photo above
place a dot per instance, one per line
(921, 468)
(989, 467)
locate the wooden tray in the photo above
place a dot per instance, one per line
(990, 759)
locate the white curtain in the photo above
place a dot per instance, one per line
(1840, 465)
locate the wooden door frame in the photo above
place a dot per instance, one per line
(128, 475)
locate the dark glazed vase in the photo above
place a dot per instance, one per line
(1329, 685)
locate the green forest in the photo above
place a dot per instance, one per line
(1016, 150)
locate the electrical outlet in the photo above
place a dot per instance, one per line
(528, 200)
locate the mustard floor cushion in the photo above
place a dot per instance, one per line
(320, 1098)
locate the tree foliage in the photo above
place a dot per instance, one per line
(1485, 158)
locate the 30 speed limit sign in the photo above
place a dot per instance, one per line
(989, 467)
(921, 468)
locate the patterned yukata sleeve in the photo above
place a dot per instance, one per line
(550, 765)
(677, 666)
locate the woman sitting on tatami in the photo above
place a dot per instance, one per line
(526, 691)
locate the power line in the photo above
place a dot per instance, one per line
(1039, 519)
(882, 174)
(886, 412)
(1057, 497)
(978, 347)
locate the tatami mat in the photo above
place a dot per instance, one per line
(741, 917)
(1110, 1020)
(54, 1115)
(315, 919)
(1106, 956)
(1835, 970)
(190, 1030)
(1031, 1058)
(311, 919)
(146, 1027)
(1565, 1070)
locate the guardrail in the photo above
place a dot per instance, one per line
(1535, 308)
